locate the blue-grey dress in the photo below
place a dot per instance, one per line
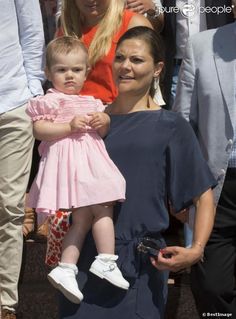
(159, 156)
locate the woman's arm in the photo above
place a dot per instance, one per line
(139, 20)
(204, 219)
(148, 8)
(48, 131)
(185, 257)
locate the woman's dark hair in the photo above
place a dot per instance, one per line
(153, 40)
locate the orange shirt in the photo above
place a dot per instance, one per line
(100, 82)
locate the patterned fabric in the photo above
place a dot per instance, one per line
(58, 227)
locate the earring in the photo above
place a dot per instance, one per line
(158, 95)
(156, 83)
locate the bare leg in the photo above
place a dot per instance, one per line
(105, 265)
(82, 219)
(103, 229)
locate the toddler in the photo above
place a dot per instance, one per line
(75, 171)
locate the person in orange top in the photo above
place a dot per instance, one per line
(99, 25)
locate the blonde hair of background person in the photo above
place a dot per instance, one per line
(72, 24)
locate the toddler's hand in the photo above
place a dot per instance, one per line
(98, 120)
(78, 123)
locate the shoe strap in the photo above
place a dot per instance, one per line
(68, 266)
(107, 257)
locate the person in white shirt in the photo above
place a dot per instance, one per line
(21, 73)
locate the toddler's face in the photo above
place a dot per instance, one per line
(68, 72)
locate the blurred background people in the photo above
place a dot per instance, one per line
(190, 18)
(150, 8)
(49, 10)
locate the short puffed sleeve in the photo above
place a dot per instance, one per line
(43, 108)
(188, 174)
(100, 106)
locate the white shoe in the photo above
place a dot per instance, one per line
(63, 277)
(105, 267)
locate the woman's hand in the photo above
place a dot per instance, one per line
(78, 123)
(139, 6)
(180, 257)
(98, 119)
(176, 258)
(100, 122)
(142, 7)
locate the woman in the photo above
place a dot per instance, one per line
(99, 24)
(158, 154)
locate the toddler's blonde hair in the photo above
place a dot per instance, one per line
(63, 45)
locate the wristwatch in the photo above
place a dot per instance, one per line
(155, 12)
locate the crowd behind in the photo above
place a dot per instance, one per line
(130, 110)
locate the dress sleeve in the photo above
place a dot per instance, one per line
(42, 108)
(100, 106)
(188, 174)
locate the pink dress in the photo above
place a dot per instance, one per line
(74, 171)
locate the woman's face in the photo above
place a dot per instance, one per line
(92, 9)
(134, 68)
